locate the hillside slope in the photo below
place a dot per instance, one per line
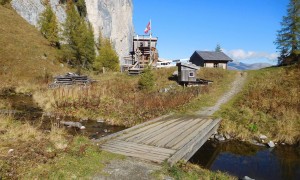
(25, 55)
(268, 104)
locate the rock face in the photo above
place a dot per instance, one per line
(112, 17)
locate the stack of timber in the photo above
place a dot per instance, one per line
(168, 139)
(70, 79)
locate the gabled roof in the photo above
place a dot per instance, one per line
(189, 65)
(213, 56)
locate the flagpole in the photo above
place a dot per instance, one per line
(150, 42)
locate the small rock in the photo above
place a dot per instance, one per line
(10, 151)
(247, 178)
(100, 121)
(82, 127)
(262, 137)
(227, 136)
(271, 144)
(105, 130)
(219, 137)
(283, 144)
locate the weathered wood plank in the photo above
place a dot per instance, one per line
(185, 134)
(154, 129)
(131, 129)
(156, 132)
(135, 155)
(191, 135)
(145, 129)
(168, 132)
(199, 144)
(174, 134)
(141, 146)
(149, 154)
(192, 146)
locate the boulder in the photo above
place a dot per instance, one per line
(227, 136)
(262, 137)
(219, 137)
(271, 144)
(247, 178)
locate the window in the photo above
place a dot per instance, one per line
(216, 65)
(191, 74)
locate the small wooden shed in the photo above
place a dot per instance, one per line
(187, 72)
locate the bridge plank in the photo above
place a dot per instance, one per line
(191, 135)
(185, 134)
(101, 140)
(173, 135)
(141, 146)
(145, 133)
(191, 147)
(144, 129)
(168, 132)
(156, 133)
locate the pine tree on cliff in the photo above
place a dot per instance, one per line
(289, 35)
(49, 27)
(107, 57)
(80, 38)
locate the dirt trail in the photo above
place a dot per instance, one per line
(236, 86)
(135, 169)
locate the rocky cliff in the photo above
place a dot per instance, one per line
(112, 17)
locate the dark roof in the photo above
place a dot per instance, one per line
(211, 55)
(190, 65)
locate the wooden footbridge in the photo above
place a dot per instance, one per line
(167, 138)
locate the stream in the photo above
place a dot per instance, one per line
(242, 159)
(236, 158)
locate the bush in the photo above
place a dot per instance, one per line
(146, 82)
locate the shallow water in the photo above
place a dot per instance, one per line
(242, 159)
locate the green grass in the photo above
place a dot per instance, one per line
(268, 104)
(189, 171)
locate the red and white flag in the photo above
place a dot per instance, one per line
(148, 27)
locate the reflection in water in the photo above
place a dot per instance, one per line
(242, 159)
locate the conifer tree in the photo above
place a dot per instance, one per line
(146, 81)
(218, 48)
(80, 38)
(108, 57)
(49, 27)
(289, 35)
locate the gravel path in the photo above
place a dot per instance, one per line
(236, 86)
(135, 169)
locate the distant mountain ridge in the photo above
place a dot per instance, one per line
(244, 66)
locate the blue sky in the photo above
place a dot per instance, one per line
(245, 29)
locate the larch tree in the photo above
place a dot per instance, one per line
(289, 35)
(80, 38)
(49, 26)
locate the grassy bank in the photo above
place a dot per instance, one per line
(51, 155)
(117, 98)
(268, 104)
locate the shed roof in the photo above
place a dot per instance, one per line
(213, 56)
(189, 65)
